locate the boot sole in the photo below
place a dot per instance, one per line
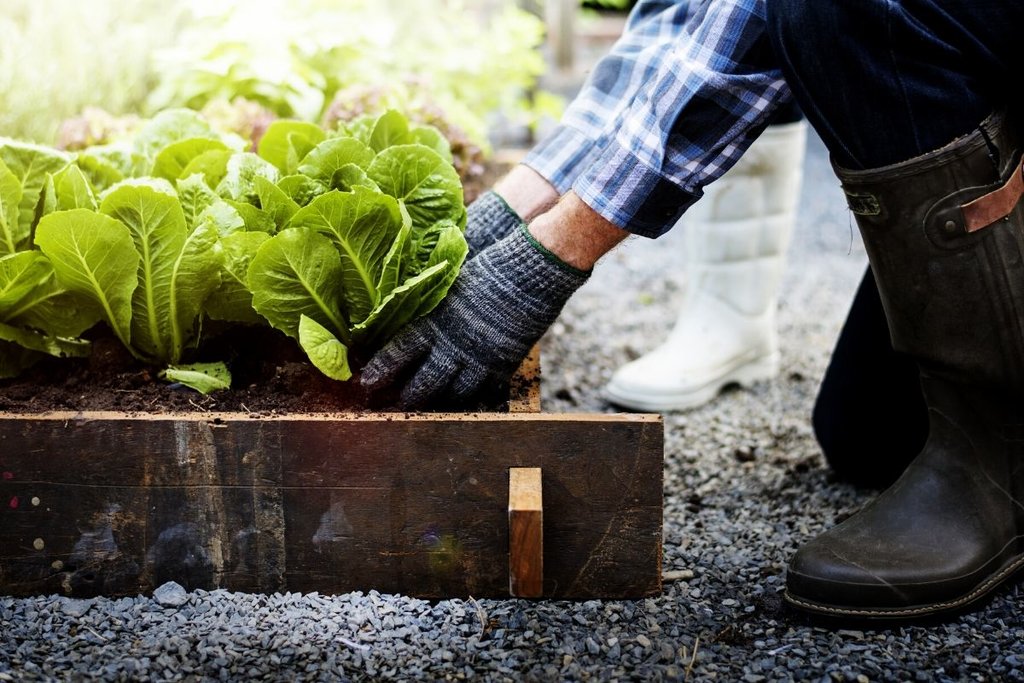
(759, 370)
(905, 613)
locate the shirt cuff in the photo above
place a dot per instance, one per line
(561, 156)
(630, 194)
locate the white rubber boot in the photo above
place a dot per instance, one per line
(736, 241)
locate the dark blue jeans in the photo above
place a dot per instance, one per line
(883, 81)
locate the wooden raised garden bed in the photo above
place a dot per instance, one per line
(113, 503)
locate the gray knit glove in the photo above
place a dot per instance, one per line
(498, 308)
(488, 219)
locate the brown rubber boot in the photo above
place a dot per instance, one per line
(945, 236)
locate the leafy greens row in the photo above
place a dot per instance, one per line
(335, 239)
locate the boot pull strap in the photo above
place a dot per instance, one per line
(997, 204)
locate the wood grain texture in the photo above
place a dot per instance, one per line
(525, 532)
(112, 504)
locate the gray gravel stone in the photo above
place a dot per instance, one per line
(73, 607)
(171, 594)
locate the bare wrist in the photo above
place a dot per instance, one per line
(526, 192)
(575, 233)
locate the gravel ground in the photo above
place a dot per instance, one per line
(744, 485)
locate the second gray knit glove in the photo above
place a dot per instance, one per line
(498, 308)
(488, 219)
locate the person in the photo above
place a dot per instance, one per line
(625, 120)
(735, 243)
(911, 100)
(736, 236)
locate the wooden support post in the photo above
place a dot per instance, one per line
(525, 533)
(561, 26)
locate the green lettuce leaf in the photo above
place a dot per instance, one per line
(297, 272)
(224, 218)
(391, 128)
(232, 300)
(398, 308)
(363, 224)
(12, 232)
(212, 165)
(330, 155)
(351, 176)
(276, 203)
(168, 127)
(450, 248)
(20, 275)
(177, 270)
(173, 159)
(427, 184)
(399, 260)
(287, 141)
(254, 219)
(203, 377)
(30, 297)
(301, 189)
(324, 350)
(195, 197)
(72, 190)
(30, 164)
(433, 138)
(239, 182)
(44, 343)
(101, 172)
(94, 256)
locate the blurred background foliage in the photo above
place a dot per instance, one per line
(58, 56)
(457, 62)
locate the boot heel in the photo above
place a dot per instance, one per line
(759, 370)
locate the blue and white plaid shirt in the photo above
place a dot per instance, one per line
(675, 103)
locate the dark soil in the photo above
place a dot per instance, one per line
(270, 376)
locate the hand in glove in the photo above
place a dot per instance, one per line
(489, 219)
(498, 308)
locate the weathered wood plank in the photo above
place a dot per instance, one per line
(108, 504)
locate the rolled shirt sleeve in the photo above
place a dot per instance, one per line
(705, 94)
(652, 28)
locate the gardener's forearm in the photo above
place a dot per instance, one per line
(576, 233)
(526, 192)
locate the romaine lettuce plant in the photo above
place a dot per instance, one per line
(38, 316)
(371, 234)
